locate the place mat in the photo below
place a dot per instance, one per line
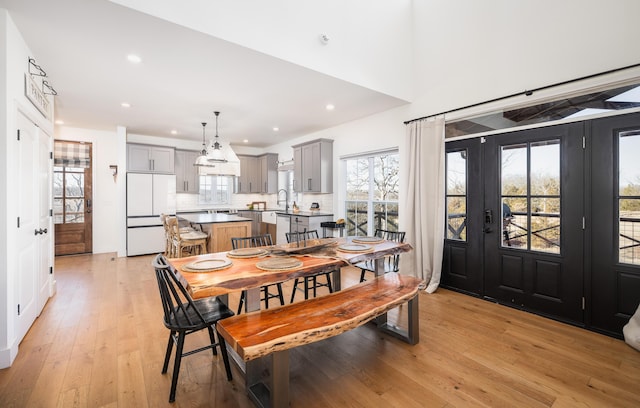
(367, 240)
(247, 253)
(355, 248)
(308, 245)
(207, 265)
(279, 264)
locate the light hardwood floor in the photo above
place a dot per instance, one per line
(100, 342)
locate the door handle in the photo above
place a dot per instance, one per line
(37, 232)
(88, 205)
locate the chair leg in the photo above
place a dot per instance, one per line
(328, 275)
(213, 340)
(243, 295)
(176, 366)
(306, 288)
(280, 296)
(225, 357)
(167, 356)
(295, 288)
(362, 279)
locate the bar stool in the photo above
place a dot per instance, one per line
(194, 242)
(332, 225)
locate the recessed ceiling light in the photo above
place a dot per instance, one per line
(125, 105)
(59, 122)
(134, 59)
(275, 128)
(330, 107)
(174, 132)
(246, 140)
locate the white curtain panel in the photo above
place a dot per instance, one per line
(424, 205)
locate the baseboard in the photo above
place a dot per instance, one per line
(8, 355)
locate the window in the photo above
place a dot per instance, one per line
(68, 195)
(371, 202)
(215, 189)
(457, 195)
(629, 197)
(530, 180)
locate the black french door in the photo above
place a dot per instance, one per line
(614, 222)
(548, 220)
(533, 220)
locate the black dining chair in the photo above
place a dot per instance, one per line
(310, 282)
(267, 293)
(391, 263)
(184, 316)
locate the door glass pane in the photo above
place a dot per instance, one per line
(357, 179)
(545, 168)
(514, 170)
(629, 198)
(531, 196)
(387, 182)
(515, 227)
(357, 217)
(456, 195)
(74, 184)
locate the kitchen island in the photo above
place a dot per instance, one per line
(220, 228)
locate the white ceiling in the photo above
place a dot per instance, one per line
(184, 76)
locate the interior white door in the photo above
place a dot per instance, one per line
(28, 242)
(45, 221)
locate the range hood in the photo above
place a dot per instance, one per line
(229, 167)
(217, 159)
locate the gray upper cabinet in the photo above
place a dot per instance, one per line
(258, 174)
(187, 180)
(248, 182)
(150, 159)
(268, 173)
(313, 167)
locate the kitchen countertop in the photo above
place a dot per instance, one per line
(212, 218)
(304, 213)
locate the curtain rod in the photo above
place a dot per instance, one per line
(526, 92)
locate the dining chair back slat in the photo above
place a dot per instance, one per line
(267, 294)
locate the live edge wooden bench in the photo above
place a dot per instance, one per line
(275, 331)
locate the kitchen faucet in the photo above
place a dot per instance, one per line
(286, 199)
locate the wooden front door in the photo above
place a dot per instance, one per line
(72, 204)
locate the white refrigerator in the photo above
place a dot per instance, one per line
(148, 196)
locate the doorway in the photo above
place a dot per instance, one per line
(72, 197)
(548, 220)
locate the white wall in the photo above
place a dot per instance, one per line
(105, 187)
(469, 51)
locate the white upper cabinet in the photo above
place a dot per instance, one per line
(150, 159)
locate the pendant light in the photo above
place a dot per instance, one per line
(216, 154)
(202, 160)
(216, 158)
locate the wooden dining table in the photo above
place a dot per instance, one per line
(315, 256)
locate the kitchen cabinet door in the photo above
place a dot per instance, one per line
(313, 166)
(151, 159)
(187, 178)
(268, 173)
(249, 180)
